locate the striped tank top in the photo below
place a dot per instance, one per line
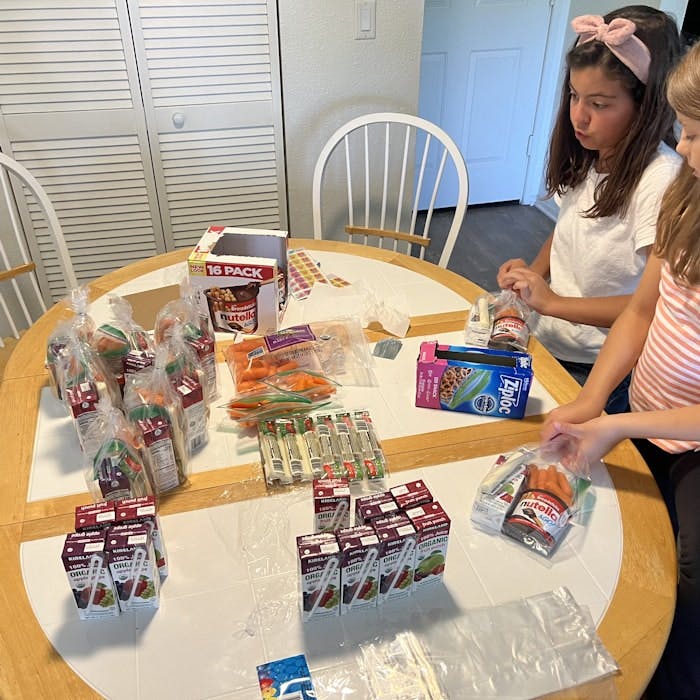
(667, 374)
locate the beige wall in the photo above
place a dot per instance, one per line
(328, 77)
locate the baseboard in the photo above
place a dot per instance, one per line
(548, 207)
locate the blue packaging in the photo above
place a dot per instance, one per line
(473, 380)
(286, 678)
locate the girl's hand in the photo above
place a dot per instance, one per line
(504, 269)
(596, 438)
(578, 411)
(531, 288)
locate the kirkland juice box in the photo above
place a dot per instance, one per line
(375, 505)
(411, 494)
(397, 556)
(242, 275)
(132, 563)
(433, 527)
(85, 562)
(359, 572)
(331, 504)
(473, 380)
(143, 510)
(94, 516)
(319, 575)
(82, 402)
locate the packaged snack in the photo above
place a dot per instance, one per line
(154, 407)
(114, 462)
(531, 496)
(288, 678)
(510, 330)
(477, 331)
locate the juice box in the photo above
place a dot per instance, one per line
(242, 276)
(94, 516)
(132, 563)
(359, 572)
(143, 510)
(331, 504)
(160, 445)
(375, 505)
(433, 527)
(319, 575)
(411, 494)
(86, 565)
(82, 402)
(473, 380)
(397, 556)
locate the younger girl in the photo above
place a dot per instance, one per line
(659, 335)
(608, 166)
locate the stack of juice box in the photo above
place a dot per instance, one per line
(398, 544)
(116, 558)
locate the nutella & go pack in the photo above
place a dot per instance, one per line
(242, 276)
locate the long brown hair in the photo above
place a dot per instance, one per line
(678, 228)
(569, 162)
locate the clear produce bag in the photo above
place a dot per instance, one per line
(530, 495)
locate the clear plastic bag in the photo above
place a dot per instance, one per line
(115, 466)
(153, 406)
(499, 321)
(530, 495)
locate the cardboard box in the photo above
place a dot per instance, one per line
(242, 275)
(473, 380)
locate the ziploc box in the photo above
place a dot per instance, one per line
(473, 380)
(142, 509)
(85, 562)
(319, 575)
(397, 556)
(359, 573)
(331, 504)
(242, 276)
(132, 563)
(433, 527)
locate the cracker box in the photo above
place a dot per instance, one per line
(433, 527)
(85, 562)
(473, 380)
(241, 274)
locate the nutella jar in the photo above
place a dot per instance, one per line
(234, 308)
(509, 330)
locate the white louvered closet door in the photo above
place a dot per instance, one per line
(211, 85)
(71, 113)
(145, 120)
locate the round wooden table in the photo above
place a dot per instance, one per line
(634, 628)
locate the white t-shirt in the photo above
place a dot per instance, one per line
(600, 257)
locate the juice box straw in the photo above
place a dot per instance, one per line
(328, 571)
(406, 551)
(93, 579)
(137, 562)
(370, 558)
(338, 516)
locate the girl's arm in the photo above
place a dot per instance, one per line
(598, 436)
(540, 265)
(592, 311)
(618, 355)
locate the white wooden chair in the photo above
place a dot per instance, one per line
(22, 299)
(399, 161)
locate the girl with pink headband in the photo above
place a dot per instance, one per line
(610, 160)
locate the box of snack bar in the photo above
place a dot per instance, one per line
(241, 274)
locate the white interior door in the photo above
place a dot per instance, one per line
(480, 75)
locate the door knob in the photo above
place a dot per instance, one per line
(178, 120)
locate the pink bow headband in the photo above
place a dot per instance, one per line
(619, 37)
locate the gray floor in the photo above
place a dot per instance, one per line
(491, 234)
